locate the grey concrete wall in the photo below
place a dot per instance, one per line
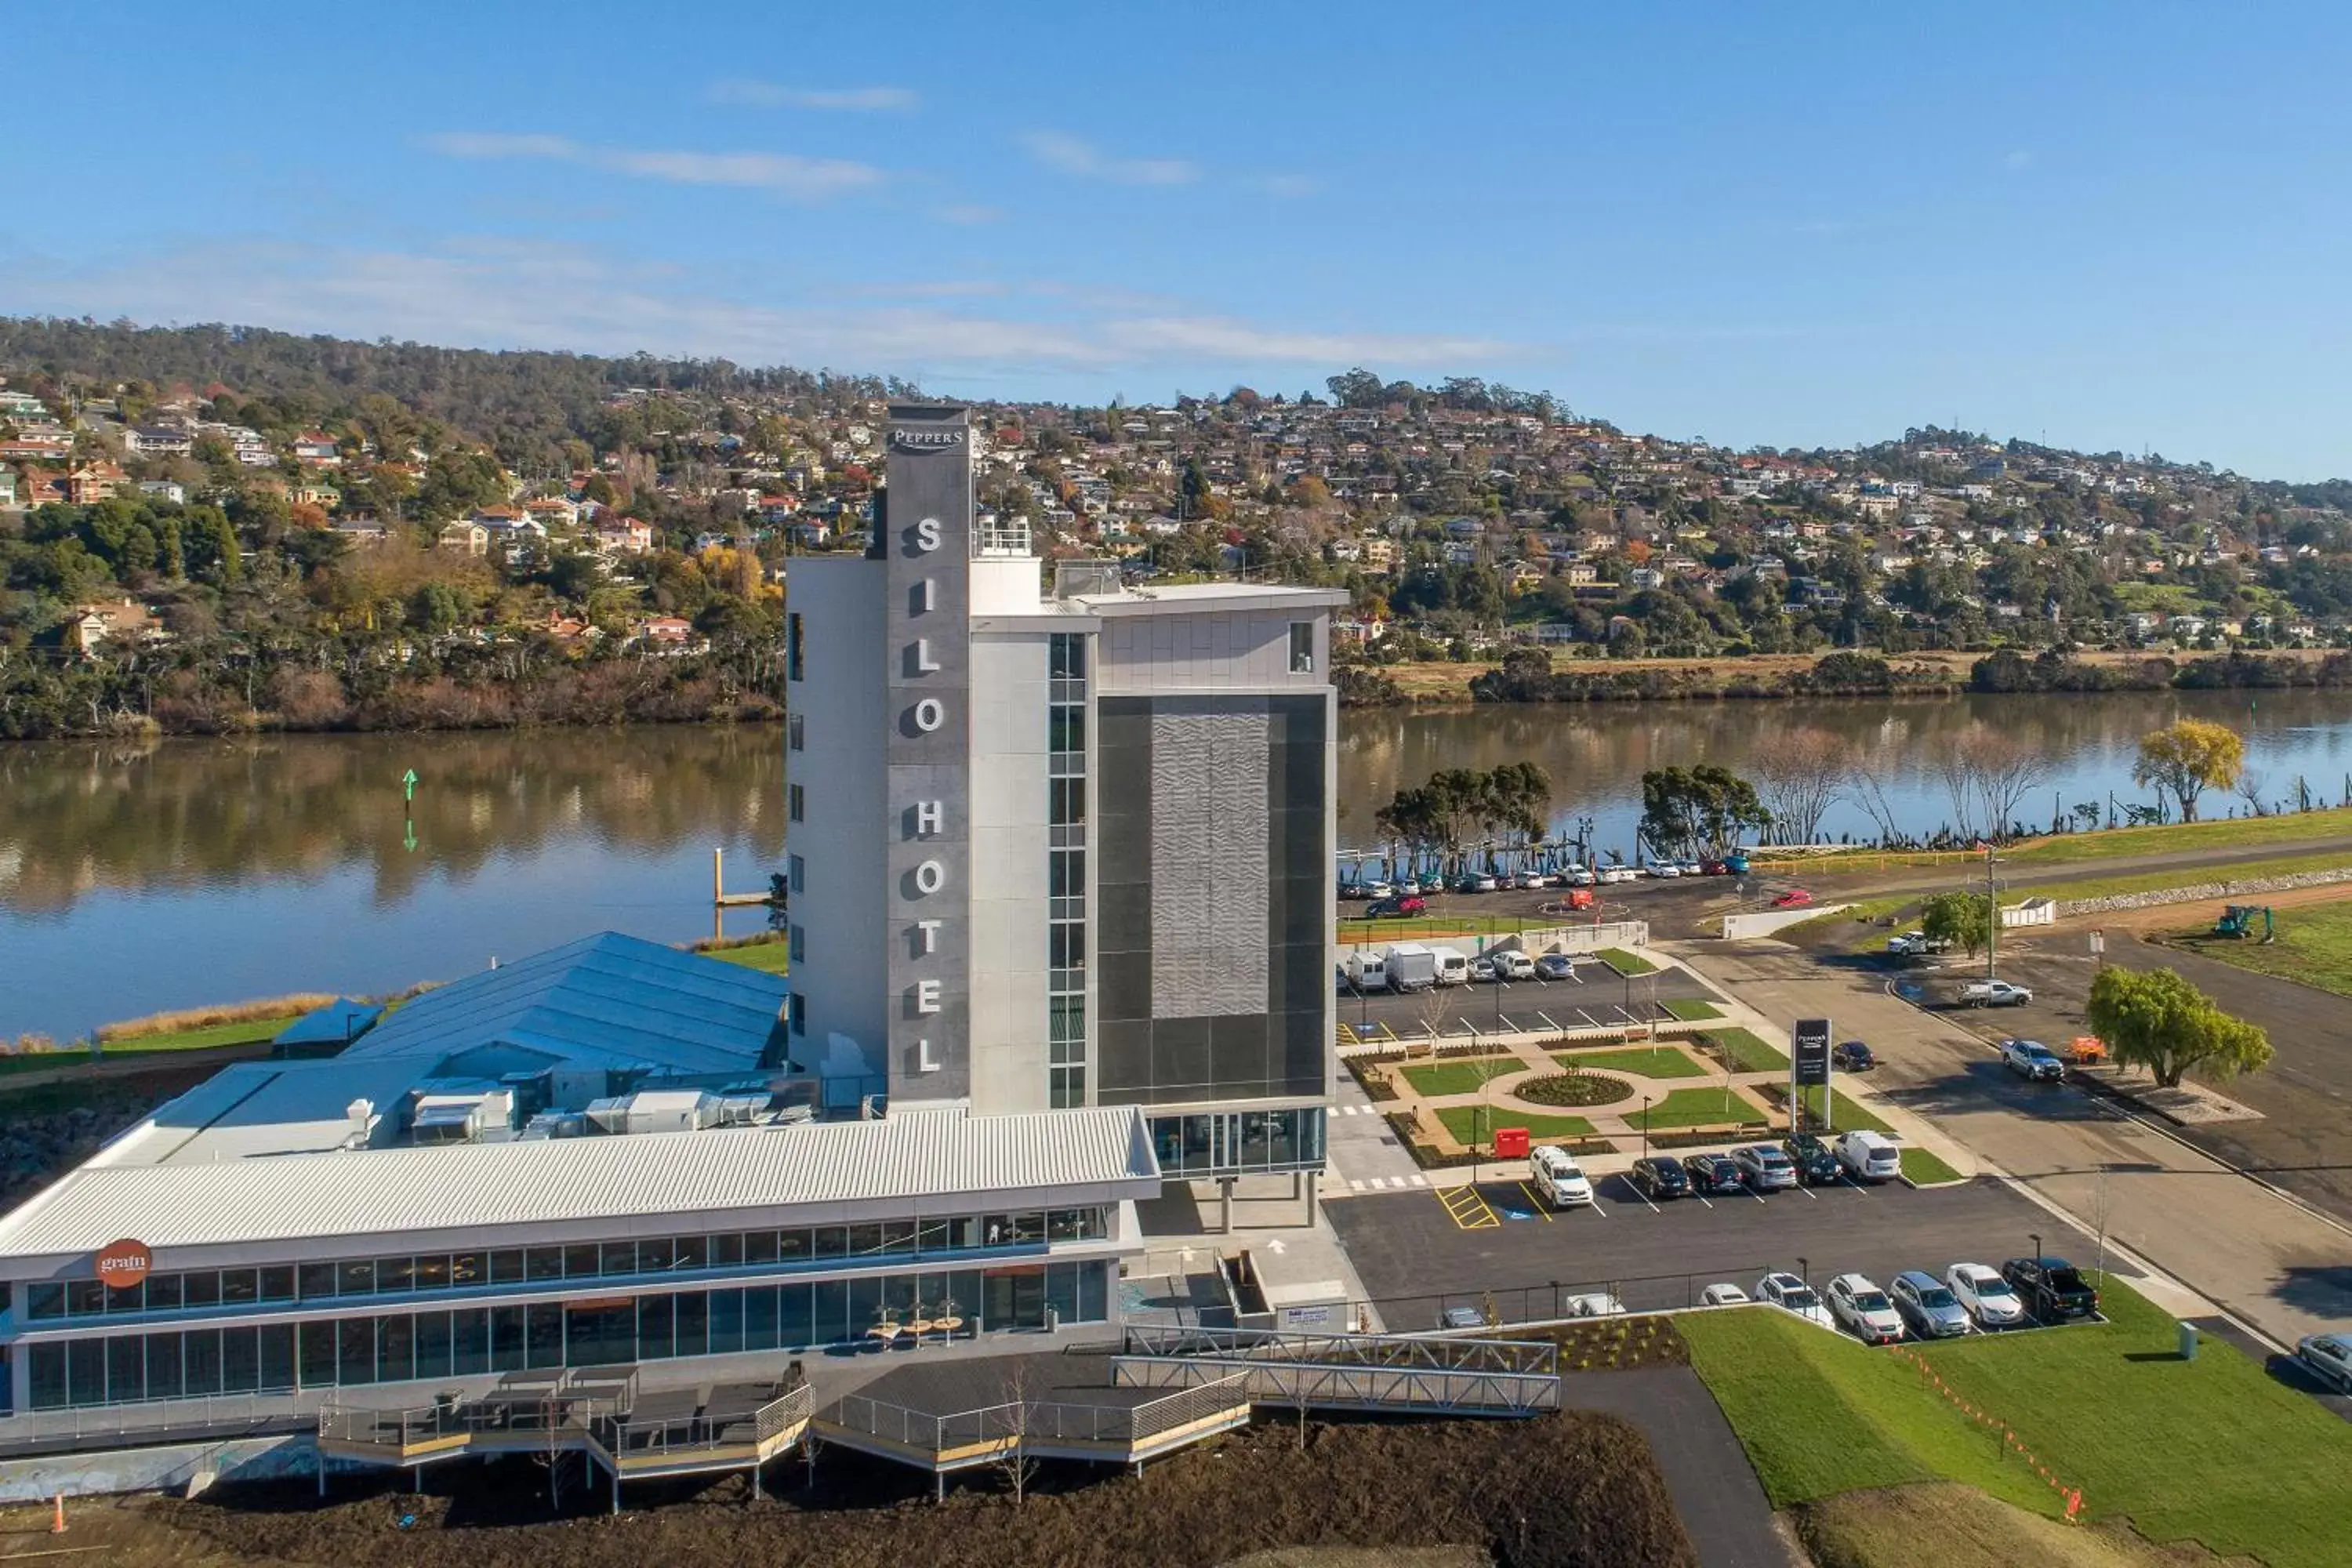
(1010, 847)
(842, 844)
(2202, 891)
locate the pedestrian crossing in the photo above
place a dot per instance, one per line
(1355, 1110)
(1385, 1183)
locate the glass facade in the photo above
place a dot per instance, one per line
(799, 1247)
(1065, 958)
(1231, 1141)
(465, 1341)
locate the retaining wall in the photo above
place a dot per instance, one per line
(165, 1468)
(1764, 922)
(2203, 892)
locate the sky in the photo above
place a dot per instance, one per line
(2111, 227)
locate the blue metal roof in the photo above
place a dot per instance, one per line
(338, 1023)
(605, 1000)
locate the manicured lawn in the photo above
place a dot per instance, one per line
(1643, 1061)
(1853, 928)
(252, 1031)
(2248, 832)
(1459, 1077)
(1695, 1108)
(1847, 1115)
(2314, 945)
(1691, 1010)
(1625, 962)
(2212, 1449)
(770, 957)
(1474, 1125)
(1925, 1168)
(1750, 1052)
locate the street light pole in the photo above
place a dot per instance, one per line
(1645, 1126)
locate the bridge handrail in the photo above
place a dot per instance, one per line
(1390, 1352)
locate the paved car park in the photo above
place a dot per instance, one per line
(1596, 997)
(1414, 1249)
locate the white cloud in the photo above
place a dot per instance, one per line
(1281, 184)
(785, 173)
(491, 144)
(505, 294)
(1073, 156)
(849, 100)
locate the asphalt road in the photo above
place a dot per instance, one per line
(1715, 1489)
(2303, 1141)
(1415, 1256)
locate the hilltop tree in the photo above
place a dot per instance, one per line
(2153, 1018)
(2187, 758)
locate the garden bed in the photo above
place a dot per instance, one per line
(1574, 1088)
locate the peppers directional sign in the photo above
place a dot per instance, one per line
(1810, 1066)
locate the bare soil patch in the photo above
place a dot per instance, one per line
(1572, 1488)
(1961, 1526)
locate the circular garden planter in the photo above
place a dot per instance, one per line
(1578, 1089)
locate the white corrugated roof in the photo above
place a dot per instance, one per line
(467, 1187)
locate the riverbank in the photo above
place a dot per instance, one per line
(1942, 673)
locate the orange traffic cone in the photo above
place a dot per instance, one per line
(57, 1515)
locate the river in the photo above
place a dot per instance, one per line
(139, 876)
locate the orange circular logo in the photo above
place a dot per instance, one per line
(124, 1264)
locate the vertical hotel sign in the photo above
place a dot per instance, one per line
(928, 538)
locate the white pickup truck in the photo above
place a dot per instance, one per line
(1916, 944)
(1994, 993)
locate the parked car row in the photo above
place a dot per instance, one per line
(1860, 1156)
(1572, 875)
(1967, 1299)
(1409, 966)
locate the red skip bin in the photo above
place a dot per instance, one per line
(1510, 1143)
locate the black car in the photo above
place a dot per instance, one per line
(1817, 1165)
(1852, 1056)
(1659, 1178)
(1712, 1174)
(2053, 1290)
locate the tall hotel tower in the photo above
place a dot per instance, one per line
(1059, 848)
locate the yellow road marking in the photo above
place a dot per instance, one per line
(1537, 1204)
(1467, 1207)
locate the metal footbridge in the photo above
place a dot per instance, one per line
(1385, 1373)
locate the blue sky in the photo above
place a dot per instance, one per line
(2120, 225)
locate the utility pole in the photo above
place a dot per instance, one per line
(1992, 913)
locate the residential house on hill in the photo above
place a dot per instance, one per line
(94, 626)
(316, 449)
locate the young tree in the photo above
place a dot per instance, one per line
(1799, 774)
(2153, 1018)
(1964, 920)
(2187, 758)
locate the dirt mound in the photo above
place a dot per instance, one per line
(1568, 1489)
(1887, 1528)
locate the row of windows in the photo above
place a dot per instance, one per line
(794, 669)
(1066, 874)
(578, 1260)
(401, 1347)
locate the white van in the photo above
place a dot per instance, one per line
(1366, 969)
(1453, 965)
(1869, 1156)
(1560, 1179)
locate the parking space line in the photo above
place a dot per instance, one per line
(1543, 1210)
(1597, 1209)
(1639, 1194)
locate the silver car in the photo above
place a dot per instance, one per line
(1925, 1307)
(2329, 1357)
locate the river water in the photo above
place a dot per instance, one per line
(177, 873)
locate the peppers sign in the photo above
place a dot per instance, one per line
(124, 1264)
(1811, 1038)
